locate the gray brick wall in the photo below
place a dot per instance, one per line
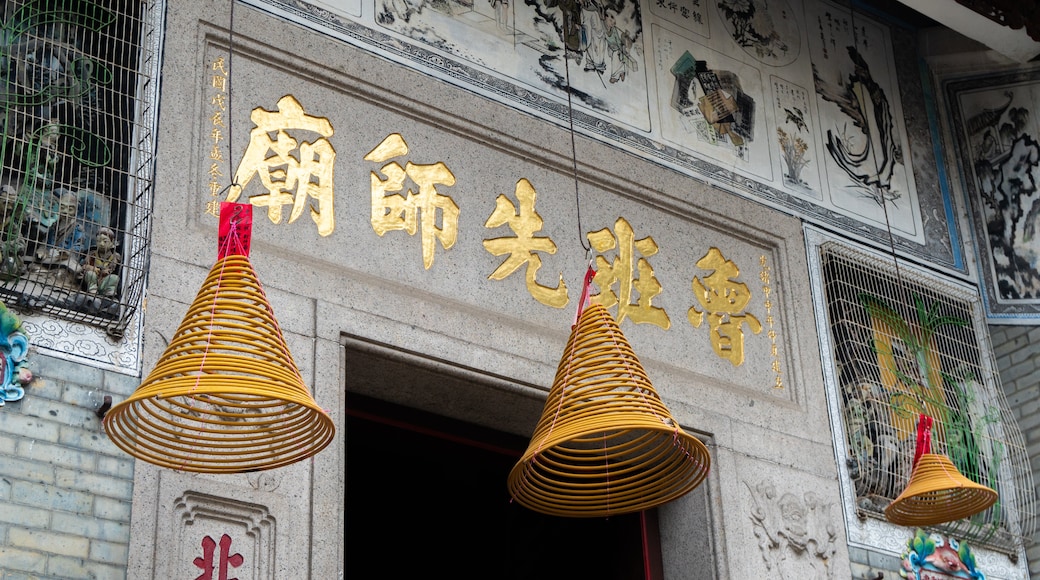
(65, 489)
(1017, 349)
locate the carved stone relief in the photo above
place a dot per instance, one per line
(221, 538)
(795, 532)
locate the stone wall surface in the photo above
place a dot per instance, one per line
(359, 289)
(65, 488)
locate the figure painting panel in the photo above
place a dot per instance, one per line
(593, 46)
(867, 165)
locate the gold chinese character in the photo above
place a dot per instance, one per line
(218, 100)
(621, 272)
(764, 275)
(218, 65)
(307, 173)
(215, 135)
(522, 247)
(214, 188)
(397, 212)
(219, 83)
(723, 299)
(218, 119)
(215, 153)
(213, 207)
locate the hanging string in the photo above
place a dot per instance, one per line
(582, 303)
(570, 119)
(230, 97)
(880, 191)
(229, 244)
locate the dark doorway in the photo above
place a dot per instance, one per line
(427, 495)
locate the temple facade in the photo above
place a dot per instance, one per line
(813, 222)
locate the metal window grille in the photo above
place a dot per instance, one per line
(77, 88)
(906, 343)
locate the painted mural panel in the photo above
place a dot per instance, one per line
(595, 45)
(711, 104)
(796, 137)
(690, 15)
(795, 103)
(860, 119)
(997, 131)
(767, 31)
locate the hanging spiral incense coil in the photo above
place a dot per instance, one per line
(605, 444)
(937, 493)
(225, 396)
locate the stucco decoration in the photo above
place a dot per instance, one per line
(14, 346)
(265, 480)
(936, 557)
(796, 533)
(86, 344)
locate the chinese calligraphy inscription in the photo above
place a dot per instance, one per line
(292, 171)
(522, 248)
(766, 277)
(723, 299)
(215, 564)
(218, 80)
(620, 271)
(403, 212)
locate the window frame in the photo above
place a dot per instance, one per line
(871, 532)
(110, 339)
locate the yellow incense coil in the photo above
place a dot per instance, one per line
(225, 396)
(937, 493)
(605, 444)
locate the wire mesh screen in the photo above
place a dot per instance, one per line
(76, 148)
(906, 344)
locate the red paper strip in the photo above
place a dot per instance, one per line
(924, 437)
(236, 229)
(584, 301)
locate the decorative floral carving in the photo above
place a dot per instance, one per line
(795, 534)
(264, 481)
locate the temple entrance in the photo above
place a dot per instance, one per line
(426, 495)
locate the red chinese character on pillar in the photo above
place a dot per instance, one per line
(224, 559)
